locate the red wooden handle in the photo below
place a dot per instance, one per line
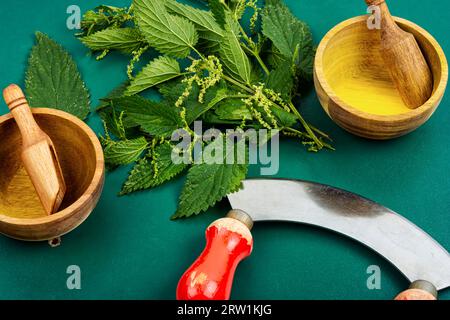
(210, 277)
(419, 290)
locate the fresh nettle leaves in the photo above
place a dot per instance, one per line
(124, 151)
(157, 119)
(52, 79)
(291, 39)
(126, 40)
(208, 68)
(153, 170)
(157, 71)
(103, 17)
(208, 182)
(170, 34)
(233, 56)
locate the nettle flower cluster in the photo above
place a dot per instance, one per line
(206, 74)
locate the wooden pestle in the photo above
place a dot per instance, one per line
(38, 152)
(404, 59)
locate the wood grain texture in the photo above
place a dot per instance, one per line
(404, 60)
(355, 88)
(38, 152)
(82, 163)
(374, 2)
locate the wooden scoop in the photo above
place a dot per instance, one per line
(38, 152)
(404, 59)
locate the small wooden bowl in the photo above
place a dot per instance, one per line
(354, 86)
(81, 157)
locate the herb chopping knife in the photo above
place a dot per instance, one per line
(419, 257)
(38, 152)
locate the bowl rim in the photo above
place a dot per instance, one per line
(429, 104)
(97, 178)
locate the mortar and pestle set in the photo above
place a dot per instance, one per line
(379, 83)
(52, 171)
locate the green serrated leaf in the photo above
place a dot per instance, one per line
(209, 31)
(208, 183)
(257, 75)
(117, 92)
(204, 20)
(103, 17)
(218, 11)
(156, 72)
(291, 37)
(112, 122)
(194, 109)
(233, 109)
(220, 95)
(172, 90)
(118, 123)
(125, 40)
(143, 176)
(212, 118)
(169, 34)
(284, 119)
(124, 151)
(235, 60)
(274, 57)
(281, 80)
(155, 118)
(305, 63)
(115, 119)
(209, 43)
(140, 177)
(53, 81)
(284, 29)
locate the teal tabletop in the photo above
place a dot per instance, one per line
(130, 249)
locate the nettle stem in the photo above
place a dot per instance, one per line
(238, 84)
(258, 58)
(320, 132)
(306, 126)
(253, 50)
(309, 130)
(261, 63)
(198, 53)
(296, 132)
(238, 96)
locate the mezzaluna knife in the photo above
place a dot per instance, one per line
(418, 256)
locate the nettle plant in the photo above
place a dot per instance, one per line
(210, 69)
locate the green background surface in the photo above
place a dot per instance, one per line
(129, 249)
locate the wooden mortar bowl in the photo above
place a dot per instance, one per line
(80, 153)
(353, 84)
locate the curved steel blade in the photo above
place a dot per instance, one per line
(410, 249)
